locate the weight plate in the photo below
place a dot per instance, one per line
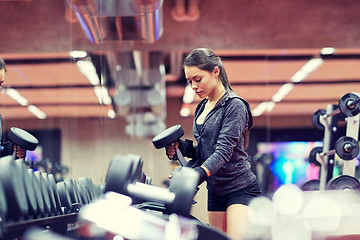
(312, 155)
(168, 136)
(183, 184)
(51, 193)
(44, 192)
(71, 187)
(311, 185)
(349, 104)
(29, 188)
(84, 194)
(118, 175)
(343, 182)
(3, 203)
(52, 183)
(64, 196)
(23, 138)
(347, 148)
(38, 194)
(136, 173)
(76, 189)
(14, 189)
(315, 118)
(89, 186)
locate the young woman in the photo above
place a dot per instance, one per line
(221, 128)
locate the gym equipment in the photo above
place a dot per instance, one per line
(65, 198)
(29, 188)
(52, 183)
(311, 185)
(3, 208)
(177, 199)
(89, 186)
(14, 189)
(72, 192)
(347, 148)
(343, 182)
(141, 224)
(168, 137)
(38, 194)
(53, 208)
(22, 138)
(312, 155)
(349, 105)
(44, 193)
(315, 118)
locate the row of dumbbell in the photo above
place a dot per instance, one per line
(26, 194)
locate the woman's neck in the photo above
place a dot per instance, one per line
(216, 94)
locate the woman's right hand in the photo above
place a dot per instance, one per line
(171, 149)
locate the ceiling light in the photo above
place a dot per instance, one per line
(299, 76)
(111, 114)
(102, 95)
(16, 96)
(37, 112)
(327, 51)
(88, 70)
(78, 54)
(262, 107)
(312, 65)
(282, 92)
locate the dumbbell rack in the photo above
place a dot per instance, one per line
(59, 224)
(352, 130)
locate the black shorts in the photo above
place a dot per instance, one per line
(242, 196)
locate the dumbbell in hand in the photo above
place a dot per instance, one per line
(168, 137)
(22, 141)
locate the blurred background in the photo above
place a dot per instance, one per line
(95, 78)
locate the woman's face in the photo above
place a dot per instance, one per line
(202, 82)
(2, 77)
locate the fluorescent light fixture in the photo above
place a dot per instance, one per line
(111, 114)
(37, 112)
(102, 95)
(327, 51)
(262, 107)
(78, 54)
(88, 70)
(282, 92)
(305, 70)
(312, 65)
(298, 76)
(17, 97)
(189, 95)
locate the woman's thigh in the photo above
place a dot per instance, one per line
(238, 220)
(218, 220)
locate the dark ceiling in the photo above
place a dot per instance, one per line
(262, 43)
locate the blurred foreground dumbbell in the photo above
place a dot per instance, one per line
(113, 212)
(177, 199)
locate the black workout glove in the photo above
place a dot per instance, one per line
(202, 174)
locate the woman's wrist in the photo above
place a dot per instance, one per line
(206, 170)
